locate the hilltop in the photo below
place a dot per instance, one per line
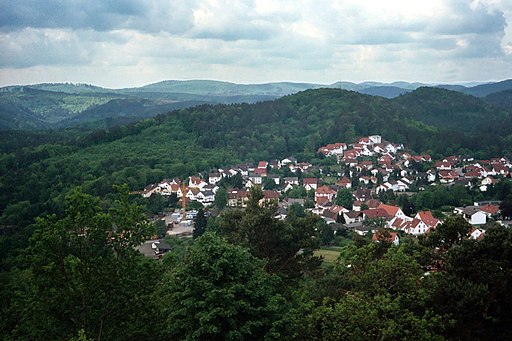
(60, 105)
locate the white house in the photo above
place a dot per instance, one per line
(473, 215)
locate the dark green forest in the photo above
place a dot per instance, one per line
(250, 276)
(69, 269)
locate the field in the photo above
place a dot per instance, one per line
(330, 254)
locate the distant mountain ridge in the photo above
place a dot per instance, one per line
(57, 105)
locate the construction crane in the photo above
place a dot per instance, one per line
(183, 201)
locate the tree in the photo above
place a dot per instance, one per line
(475, 287)
(452, 232)
(83, 267)
(269, 183)
(506, 208)
(156, 203)
(219, 292)
(200, 224)
(287, 245)
(221, 198)
(344, 198)
(326, 233)
(237, 181)
(160, 228)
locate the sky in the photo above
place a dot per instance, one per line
(126, 43)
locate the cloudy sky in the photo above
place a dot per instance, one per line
(123, 43)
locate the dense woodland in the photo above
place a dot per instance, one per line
(73, 273)
(253, 276)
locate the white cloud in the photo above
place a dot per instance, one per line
(254, 41)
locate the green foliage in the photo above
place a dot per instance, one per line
(160, 228)
(453, 231)
(325, 232)
(82, 268)
(297, 192)
(476, 286)
(344, 198)
(287, 246)
(219, 292)
(221, 198)
(199, 224)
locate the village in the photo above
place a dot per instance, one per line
(350, 187)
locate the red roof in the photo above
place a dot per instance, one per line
(391, 210)
(262, 164)
(325, 190)
(446, 174)
(376, 213)
(491, 209)
(427, 218)
(271, 194)
(238, 194)
(343, 181)
(310, 181)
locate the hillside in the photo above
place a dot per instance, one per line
(56, 105)
(487, 89)
(450, 109)
(384, 91)
(217, 88)
(192, 140)
(502, 99)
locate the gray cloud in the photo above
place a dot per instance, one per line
(256, 40)
(465, 18)
(43, 47)
(99, 15)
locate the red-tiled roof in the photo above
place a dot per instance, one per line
(391, 210)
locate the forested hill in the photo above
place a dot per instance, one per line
(34, 178)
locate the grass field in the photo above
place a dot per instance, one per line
(330, 254)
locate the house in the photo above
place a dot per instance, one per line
(489, 209)
(485, 183)
(428, 219)
(238, 198)
(262, 165)
(205, 197)
(415, 226)
(472, 214)
(362, 194)
(260, 169)
(376, 213)
(293, 180)
(195, 182)
(291, 201)
(281, 213)
(476, 233)
(443, 165)
(353, 217)
(270, 197)
(447, 176)
(214, 178)
(329, 216)
(344, 182)
(255, 178)
(275, 178)
(387, 236)
(333, 149)
(394, 211)
(275, 164)
(310, 183)
(375, 139)
(288, 160)
(324, 194)
(150, 190)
